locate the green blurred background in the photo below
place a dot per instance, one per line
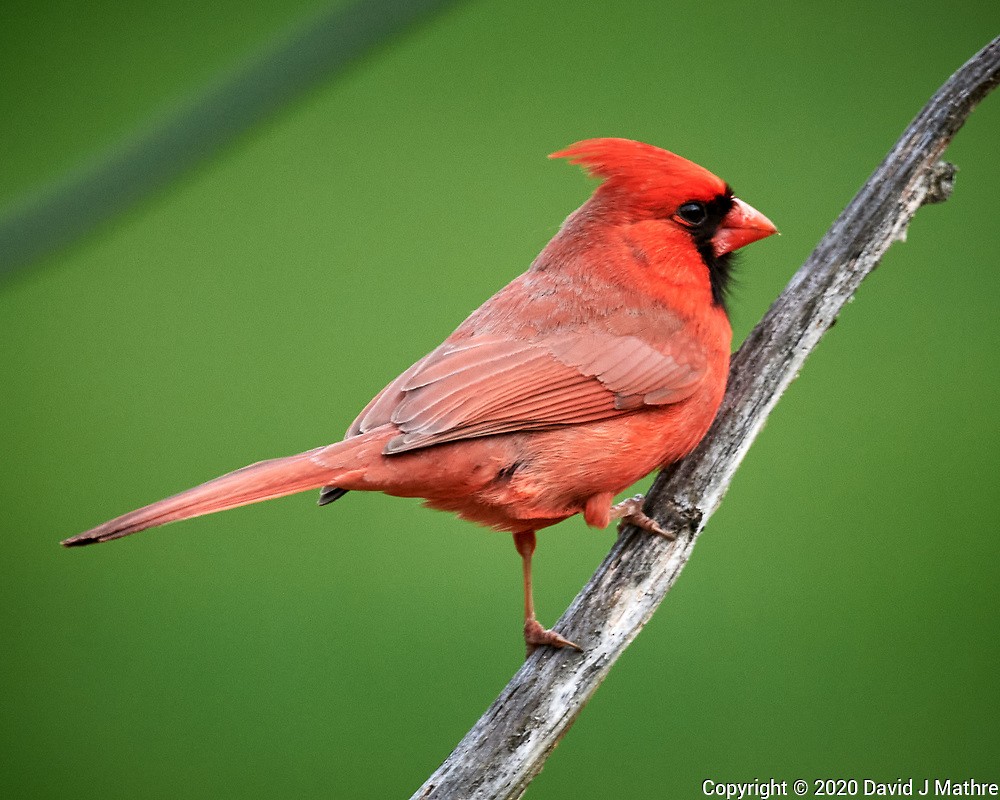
(839, 617)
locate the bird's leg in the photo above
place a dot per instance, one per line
(629, 512)
(534, 633)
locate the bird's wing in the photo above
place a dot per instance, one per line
(482, 386)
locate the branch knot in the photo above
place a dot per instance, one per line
(940, 182)
(682, 519)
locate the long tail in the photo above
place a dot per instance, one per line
(263, 481)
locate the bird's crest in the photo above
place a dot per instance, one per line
(651, 174)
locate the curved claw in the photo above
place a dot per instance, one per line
(535, 635)
(630, 512)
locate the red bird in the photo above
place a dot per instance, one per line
(607, 359)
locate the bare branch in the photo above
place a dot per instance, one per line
(508, 745)
(133, 168)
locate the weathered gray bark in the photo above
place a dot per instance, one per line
(508, 745)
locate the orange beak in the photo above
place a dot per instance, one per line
(742, 225)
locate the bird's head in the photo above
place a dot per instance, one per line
(643, 183)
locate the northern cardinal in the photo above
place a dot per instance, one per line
(606, 359)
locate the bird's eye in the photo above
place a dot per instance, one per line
(693, 213)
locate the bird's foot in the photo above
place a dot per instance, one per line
(535, 635)
(630, 512)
